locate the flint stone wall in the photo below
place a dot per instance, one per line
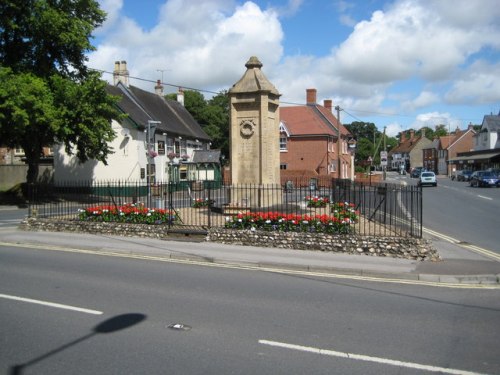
(395, 247)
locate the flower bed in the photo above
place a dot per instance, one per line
(128, 213)
(340, 222)
(202, 202)
(315, 201)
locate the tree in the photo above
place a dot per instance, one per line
(47, 94)
(212, 115)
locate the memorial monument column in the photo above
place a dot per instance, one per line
(254, 139)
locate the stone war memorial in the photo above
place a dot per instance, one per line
(254, 141)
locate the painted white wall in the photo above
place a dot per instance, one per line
(125, 163)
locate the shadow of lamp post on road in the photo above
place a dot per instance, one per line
(114, 324)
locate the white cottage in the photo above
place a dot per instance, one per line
(155, 142)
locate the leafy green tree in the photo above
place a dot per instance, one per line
(212, 115)
(28, 117)
(217, 115)
(47, 94)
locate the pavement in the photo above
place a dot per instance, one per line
(461, 265)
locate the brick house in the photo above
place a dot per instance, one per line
(309, 145)
(409, 152)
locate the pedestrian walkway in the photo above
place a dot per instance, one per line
(459, 266)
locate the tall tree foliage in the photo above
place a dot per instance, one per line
(47, 95)
(212, 115)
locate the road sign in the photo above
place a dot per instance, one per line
(383, 158)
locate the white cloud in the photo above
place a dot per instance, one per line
(431, 119)
(112, 9)
(479, 84)
(394, 129)
(424, 99)
(431, 43)
(206, 48)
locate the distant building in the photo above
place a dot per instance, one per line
(447, 147)
(408, 154)
(486, 144)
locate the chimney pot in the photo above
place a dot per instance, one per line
(159, 88)
(180, 96)
(311, 96)
(327, 103)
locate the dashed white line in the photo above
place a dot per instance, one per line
(360, 357)
(51, 304)
(488, 198)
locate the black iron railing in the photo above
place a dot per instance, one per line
(381, 209)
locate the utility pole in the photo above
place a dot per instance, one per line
(339, 167)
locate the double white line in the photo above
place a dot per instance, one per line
(474, 248)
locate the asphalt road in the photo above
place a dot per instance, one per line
(229, 321)
(469, 215)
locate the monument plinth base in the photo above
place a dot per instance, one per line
(233, 209)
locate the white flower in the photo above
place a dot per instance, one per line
(228, 218)
(252, 229)
(148, 214)
(240, 220)
(268, 221)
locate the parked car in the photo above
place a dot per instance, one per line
(483, 178)
(464, 175)
(415, 173)
(427, 178)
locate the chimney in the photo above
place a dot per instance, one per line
(470, 126)
(402, 137)
(310, 96)
(159, 88)
(422, 133)
(120, 74)
(327, 103)
(180, 96)
(412, 134)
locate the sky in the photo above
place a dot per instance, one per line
(401, 64)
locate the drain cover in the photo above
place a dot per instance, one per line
(179, 327)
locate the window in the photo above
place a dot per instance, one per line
(170, 146)
(183, 173)
(283, 142)
(283, 166)
(161, 147)
(183, 149)
(18, 151)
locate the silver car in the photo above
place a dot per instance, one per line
(427, 178)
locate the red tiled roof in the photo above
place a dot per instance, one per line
(310, 120)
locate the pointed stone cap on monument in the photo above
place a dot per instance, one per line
(253, 80)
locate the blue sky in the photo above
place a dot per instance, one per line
(401, 64)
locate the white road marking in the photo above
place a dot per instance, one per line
(261, 268)
(51, 304)
(366, 358)
(476, 249)
(481, 196)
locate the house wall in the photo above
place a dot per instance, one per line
(127, 163)
(416, 154)
(307, 154)
(124, 164)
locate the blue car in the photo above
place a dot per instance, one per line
(483, 178)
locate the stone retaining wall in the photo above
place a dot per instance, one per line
(396, 247)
